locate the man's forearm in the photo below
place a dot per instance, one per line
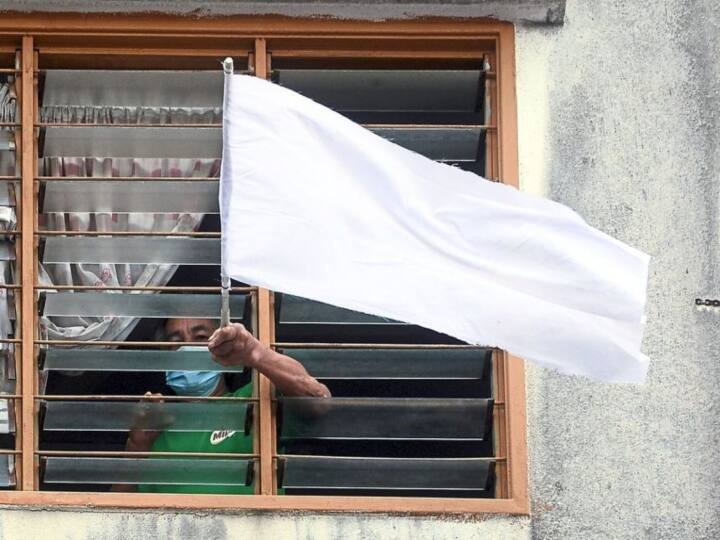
(287, 374)
(233, 345)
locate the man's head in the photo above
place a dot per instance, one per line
(192, 383)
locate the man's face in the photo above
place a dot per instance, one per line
(189, 329)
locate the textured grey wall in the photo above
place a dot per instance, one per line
(618, 114)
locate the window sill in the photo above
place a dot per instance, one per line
(403, 505)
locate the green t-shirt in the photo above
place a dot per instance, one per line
(216, 441)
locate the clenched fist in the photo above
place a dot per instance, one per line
(233, 345)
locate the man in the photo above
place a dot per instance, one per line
(232, 345)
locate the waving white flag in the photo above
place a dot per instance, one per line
(317, 206)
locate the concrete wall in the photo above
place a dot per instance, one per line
(537, 11)
(618, 113)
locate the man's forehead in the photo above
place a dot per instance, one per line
(190, 324)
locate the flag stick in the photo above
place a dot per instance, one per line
(224, 279)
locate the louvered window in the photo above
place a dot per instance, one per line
(115, 186)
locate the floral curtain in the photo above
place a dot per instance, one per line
(107, 275)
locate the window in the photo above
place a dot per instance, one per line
(111, 164)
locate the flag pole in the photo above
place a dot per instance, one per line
(224, 279)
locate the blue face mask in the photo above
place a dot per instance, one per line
(193, 383)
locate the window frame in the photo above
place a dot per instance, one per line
(155, 35)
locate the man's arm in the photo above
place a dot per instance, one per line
(233, 345)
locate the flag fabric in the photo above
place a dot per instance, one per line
(314, 205)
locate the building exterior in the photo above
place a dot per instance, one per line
(617, 117)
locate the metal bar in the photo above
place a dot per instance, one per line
(494, 404)
(11, 286)
(178, 125)
(8, 452)
(118, 125)
(143, 51)
(129, 233)
(10, 178)
(141, 398)
(363, 54)
(46, 51)
(281, 456)
(27, 269)
(281, 345)
(181, 69)
(124, 178)
(11, 124)
(171, 288)
(11, 340)
(486, 127)
(65, 342)
(83, 453)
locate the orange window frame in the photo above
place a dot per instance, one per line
(134, 42)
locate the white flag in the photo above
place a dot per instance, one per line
(317, 206)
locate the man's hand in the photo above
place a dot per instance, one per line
(139, 439)
(233, 345)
